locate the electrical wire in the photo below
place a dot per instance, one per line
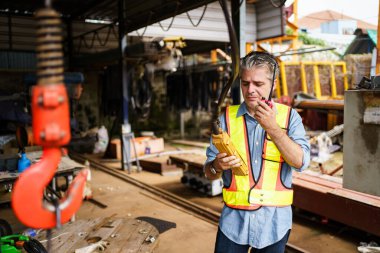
(95, 36)
(200, 19)
(147, 24)
(171, 22)
(235, 56)
(237, 10)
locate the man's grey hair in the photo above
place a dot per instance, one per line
(260, 59)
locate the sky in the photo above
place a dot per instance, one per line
(366, 10)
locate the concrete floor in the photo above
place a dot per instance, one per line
(308, 235)
(182, 231)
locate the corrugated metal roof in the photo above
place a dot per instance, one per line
(211, 28)
(136, 12)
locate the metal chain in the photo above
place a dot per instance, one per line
(200, 19)
(95, 35)
(171, 22)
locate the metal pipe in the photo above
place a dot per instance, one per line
(235, 55)
(319, 104)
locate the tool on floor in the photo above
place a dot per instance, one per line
(51, 130)
(199, 182)
(128, 139)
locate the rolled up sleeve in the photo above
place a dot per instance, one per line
(298, 134)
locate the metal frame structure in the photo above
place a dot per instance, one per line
(317, 84)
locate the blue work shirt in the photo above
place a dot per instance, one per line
(267, 225)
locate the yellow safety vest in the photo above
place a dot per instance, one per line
(244, 192)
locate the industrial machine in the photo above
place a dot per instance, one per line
(199, 182)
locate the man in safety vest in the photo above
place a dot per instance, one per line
(270, 139)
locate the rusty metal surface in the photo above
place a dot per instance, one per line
(330, 200)
(319, 104)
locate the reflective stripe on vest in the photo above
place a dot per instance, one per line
(244, 192)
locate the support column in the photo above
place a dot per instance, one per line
(238, 14)
(122, 64)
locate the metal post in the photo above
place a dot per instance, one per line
(214, 56)
(283, 79)
(333, 82)
(344, 72)
(182, 124)
(317, 84)
(125, 128)
(303, 78)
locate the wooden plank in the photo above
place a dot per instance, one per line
(137, 238)
(159, 165)
(123, 235)
(191, 143)
(101, 231)
(311, 185)
(69, 235)
(150, 246)
(316, 180)
(192, 162)
(75, 235)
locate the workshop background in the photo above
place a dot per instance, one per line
(141, 81)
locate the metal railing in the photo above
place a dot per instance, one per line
(317, 85)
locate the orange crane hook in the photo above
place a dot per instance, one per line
(51, 130)
(28, 193)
